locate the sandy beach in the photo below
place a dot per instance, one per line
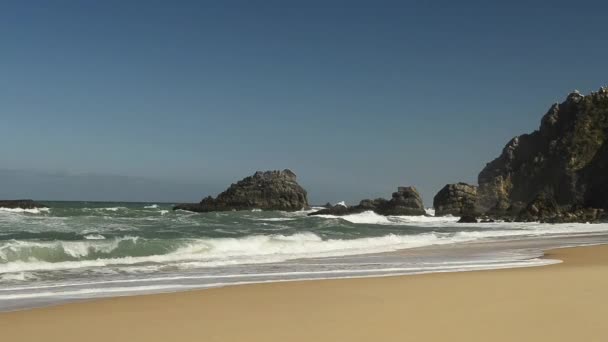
(562, 302)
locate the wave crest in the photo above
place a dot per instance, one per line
(19, 256)
(29, 211)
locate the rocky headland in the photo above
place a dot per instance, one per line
(268, 190)
(558, 173)
(405, 201)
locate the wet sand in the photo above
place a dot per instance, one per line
(561, 302)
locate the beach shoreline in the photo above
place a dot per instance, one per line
(559, 302)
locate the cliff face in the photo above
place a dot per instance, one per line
(269, 190)
(566, 160)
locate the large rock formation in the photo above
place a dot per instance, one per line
(269, 190)
(406, 201)
(21, 204)
(565, 161)
(455, 199)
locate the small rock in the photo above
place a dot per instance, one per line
(21, 204)
(467, 219)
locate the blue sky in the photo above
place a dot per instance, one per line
(356, 97)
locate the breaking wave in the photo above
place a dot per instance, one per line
(370, 217)
(110, 248)
(110, 209)
(22, 256)
(19, 256)
(29, 211)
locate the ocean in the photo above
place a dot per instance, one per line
(82, 250)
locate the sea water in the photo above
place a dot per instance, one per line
(82, 250)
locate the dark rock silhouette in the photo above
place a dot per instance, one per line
(405, 201)
(21, 204)
(455, 199)
(269, 190)
(565, 162)
(468, 219)
(544, 208)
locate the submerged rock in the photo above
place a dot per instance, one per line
(565, 160)
(455, 199)
(467, 219)
(405, 201)
(21, 204)
(269, 190)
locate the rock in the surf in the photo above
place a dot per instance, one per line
(468, 218)
(21, 204)
(455, 199)
(268, 190)
(405, 201)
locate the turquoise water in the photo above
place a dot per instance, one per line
(78, 250)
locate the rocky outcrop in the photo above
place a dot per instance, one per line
(269, 190)
(544, 208)
(21, 204)
(406, 201)
(565, 161)
(455, 199)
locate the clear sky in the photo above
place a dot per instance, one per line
(355, 97)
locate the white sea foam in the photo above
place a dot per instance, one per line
(430, 221)
(153, 206)
(301, 213)
(18, 276)
(370, 217)
(302, 275)
(430, 211)
(21, 210)
(16, 252)
(275, 219)
(114, 209)
(94, 237)
(100, 289)
(212, 252)
(89, 291)
(342, 203)
(367, 217)
(172, 250)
